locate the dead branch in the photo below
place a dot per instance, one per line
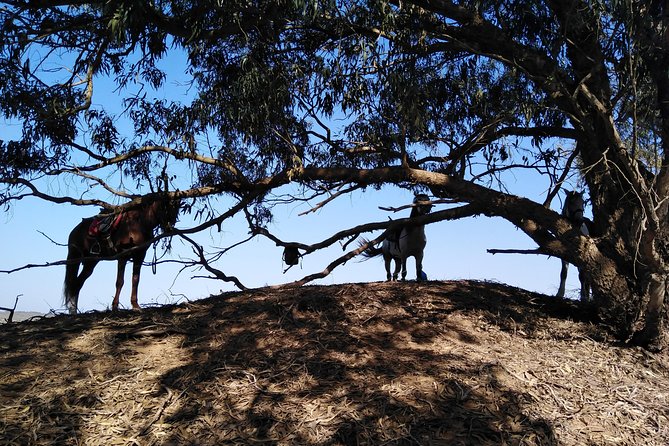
(349, 241)
(339, 261)
(412, 205)
(11, 310)
(516, 251)
(104, 184)
(180, 232)
(467, 210)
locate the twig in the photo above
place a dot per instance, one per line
(117, 256)
(34, 265)
(52, 240)
(218, 274)
(167, 403)
(329, 199)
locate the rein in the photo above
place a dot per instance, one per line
(163, 216)
(155, 260)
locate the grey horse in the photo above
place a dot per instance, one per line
(407, 241)
(572, 210)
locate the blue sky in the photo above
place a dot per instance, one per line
(455, 250)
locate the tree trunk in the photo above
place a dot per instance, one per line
(651, 335)
(629, 274)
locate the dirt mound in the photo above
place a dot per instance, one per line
(433, 363)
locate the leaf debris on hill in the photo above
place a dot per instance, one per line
(381, 363)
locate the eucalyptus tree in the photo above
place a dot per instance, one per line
(338, 96)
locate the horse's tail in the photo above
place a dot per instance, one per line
(70, 291)
(370, 251)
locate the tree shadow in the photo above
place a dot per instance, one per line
(327, 374)
(354, 364)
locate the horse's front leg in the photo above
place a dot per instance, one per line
(585, 286)
(120, 272)
(563, 278)
(419, 267)
(136, 269)
(386, 261)
(404, 268)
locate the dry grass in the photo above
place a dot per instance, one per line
(434, 363)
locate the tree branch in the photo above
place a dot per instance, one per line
(218, 274)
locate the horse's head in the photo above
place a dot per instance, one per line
(422, 205)
(574, 206)
(168, 213)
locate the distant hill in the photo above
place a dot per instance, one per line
(443, 363)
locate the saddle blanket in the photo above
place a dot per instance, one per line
(103, 225)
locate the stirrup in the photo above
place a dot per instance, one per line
(95, 248)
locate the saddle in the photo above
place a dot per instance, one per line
(101, 229)
(394, 238)
(291, 255)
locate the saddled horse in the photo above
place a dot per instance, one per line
(405, 242)
(572, 210)
(128, 237)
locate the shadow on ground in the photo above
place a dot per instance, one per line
(351, 364)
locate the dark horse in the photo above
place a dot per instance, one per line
(407, 241)
(129, 237)
(573, 208)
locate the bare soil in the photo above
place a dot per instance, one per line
(432, 363)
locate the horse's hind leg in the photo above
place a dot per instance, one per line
(120, 272)
(386, 261)
(563, 279)
(72, 292)
(136, 269)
